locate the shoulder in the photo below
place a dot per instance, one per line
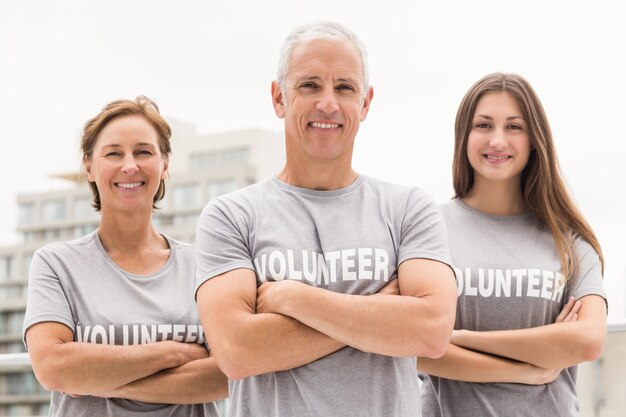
(83, 244)
(582, 246)
(182, 250)
(587, 255)
(398, 192)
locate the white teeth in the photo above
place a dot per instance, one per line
(324, 125)
(128, 184)
(497, 158)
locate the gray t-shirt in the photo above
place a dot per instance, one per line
(508, 277)
(351, 241)
(77, 284)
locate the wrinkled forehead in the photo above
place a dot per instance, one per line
(319, 57)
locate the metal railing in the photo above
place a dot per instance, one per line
(9, 361)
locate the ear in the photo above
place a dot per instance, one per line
(165, 173)
(366, 103)
(87, 165)
(277, 100)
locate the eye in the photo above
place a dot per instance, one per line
(515, 127)
(112, 154)
(483, 125)
(309, 85)
(345, 87)
(143, 152)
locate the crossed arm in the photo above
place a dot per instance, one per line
(139, 372)
(294, 324)
(529, 356)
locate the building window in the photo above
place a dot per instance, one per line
(82, 208)
(22, 384)
(43, 409)
(15, 347)
(220, 159)
(83, 230)
(6, 268)
(186, 196)
(14, 410)
(184, 219)
(11, 323)
(27, 214)
(15, 319)
(53, 211)
(12, 291)
(27, 258)
(53, 234)
(223, 186)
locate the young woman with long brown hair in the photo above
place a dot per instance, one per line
(531, 303)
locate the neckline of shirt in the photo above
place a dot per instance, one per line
(318, 193)
(111, 262)
(511, 218)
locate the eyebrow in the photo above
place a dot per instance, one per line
(116, 145)
(347, 80)
(318, 78)
(484, 116)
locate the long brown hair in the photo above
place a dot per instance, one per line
(543, 190)
(141, 106)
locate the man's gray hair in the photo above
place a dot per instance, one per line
(319, 30)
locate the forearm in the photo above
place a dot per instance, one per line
(267, 342)
(466, 365)
(385, 324)
(198, 381)
(89, 369)
(553, 346)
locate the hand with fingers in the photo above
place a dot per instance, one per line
(391, 288)
(569, 311)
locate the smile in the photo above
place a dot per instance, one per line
(128, 185)
(497, 157)
(324, 125)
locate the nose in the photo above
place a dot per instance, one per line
(327, 101)
(129, 165)
(498, 139)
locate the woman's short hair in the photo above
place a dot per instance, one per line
(141, 106)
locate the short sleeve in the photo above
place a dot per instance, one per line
(47, 300)
(423, 230)
(221, 243)
(588, 279)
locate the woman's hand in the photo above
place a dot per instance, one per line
(569, 312)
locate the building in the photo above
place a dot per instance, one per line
(601, 383)
(201, 167)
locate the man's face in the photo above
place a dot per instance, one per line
(324, 101)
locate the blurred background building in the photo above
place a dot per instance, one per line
(601, 383)
(201, 167)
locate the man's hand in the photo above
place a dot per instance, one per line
(391, 288)
(270, 293)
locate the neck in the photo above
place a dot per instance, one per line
(128, 232)
(323, 176)
(499, 198)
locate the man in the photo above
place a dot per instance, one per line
(352, 272)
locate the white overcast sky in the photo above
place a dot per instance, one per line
(211, 63)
